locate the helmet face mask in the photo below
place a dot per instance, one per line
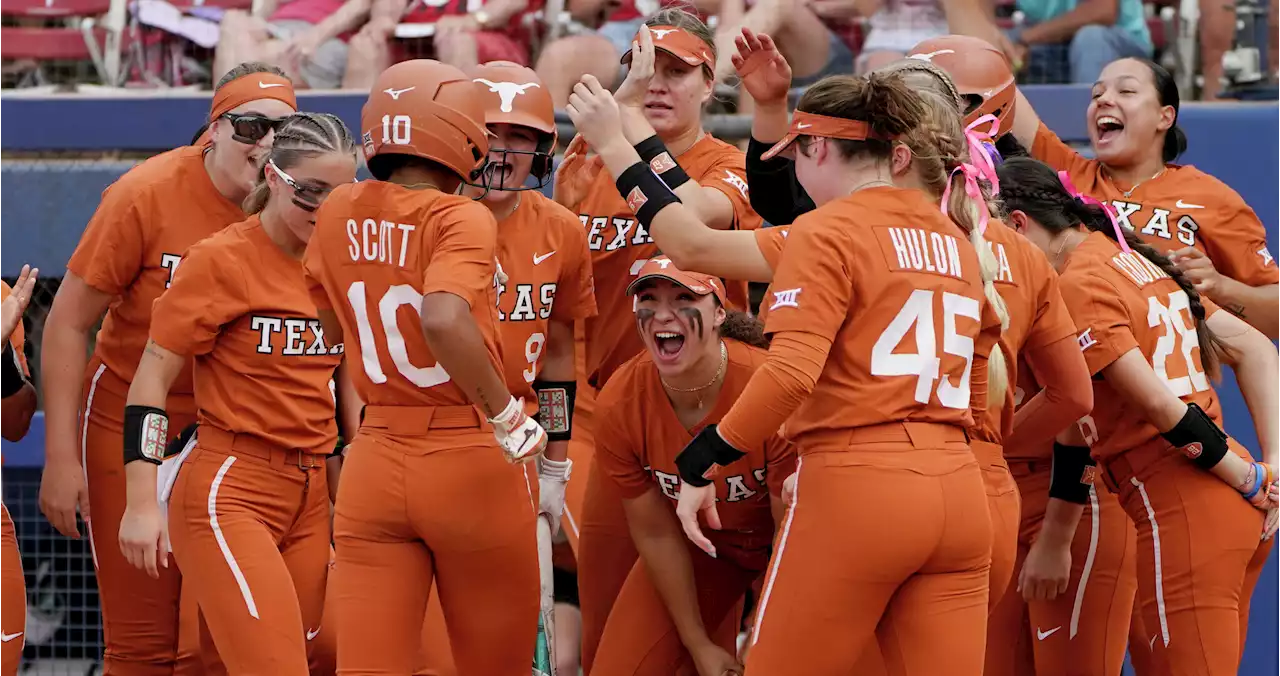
(513, 95)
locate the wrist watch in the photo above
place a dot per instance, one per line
(482, 18)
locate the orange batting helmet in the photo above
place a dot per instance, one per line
(426, 109)
(981, 73)
(513, 94)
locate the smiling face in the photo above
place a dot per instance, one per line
(676, 95)
(509, 170)
(297, 191)
(677, 326)
(1126, 121)
(242, 139)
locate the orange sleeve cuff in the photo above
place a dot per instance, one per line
(1067, 395)
(776, 389)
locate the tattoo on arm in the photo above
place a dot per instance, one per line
(155, 350)
(1237, 310)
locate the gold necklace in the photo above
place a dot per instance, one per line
(1129, 193)
(724, 360)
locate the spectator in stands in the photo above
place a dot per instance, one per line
(463, 36)
(895, 26)
(808, 40)
(305, 38)
(1060, 40)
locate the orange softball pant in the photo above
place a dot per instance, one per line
(889, 537)
(1006, 513)
(249, 522)
(13, 598)
(140, 616)
(425, 498)
(606, 555)
(639, 637)
(1199, 557)
(1083, 631)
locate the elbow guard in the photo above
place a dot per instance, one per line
(654, 151)
(11, 377)
(555, 407)
(146, 429)
(703, 454)
(644, 193)
(1199, 438)
(1071, 473)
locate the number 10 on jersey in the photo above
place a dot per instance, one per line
(924, 363)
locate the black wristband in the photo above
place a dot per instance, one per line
(1198, 437)
(644, 192)
(146, 428)
(1071, 473)
(707, 450)
(654, 151)
(555, 407)
(11, 378)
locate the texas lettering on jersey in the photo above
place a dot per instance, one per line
(531, 303)
(738, 490)
(605, 233)
(1163, 223)
(291, 336)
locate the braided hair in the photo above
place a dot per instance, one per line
(938, 146)
(301, 135)
(1030, 186)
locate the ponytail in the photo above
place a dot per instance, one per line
(1211, 347)
(964, 210)
(743, 328)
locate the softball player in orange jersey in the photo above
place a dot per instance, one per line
(698, 360)
(248, 505)
(1202, 224)
(845, 128)
(542, 250)
(19, 405)
(127, 257)
(405, 269)
(1155, 430)
(670, 81)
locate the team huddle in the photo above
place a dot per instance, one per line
(402, 425)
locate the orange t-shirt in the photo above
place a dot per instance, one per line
(618, 242)
(543, 251)
(133, 244)
(378, 248)
(771, 242)
(240, 306)
(1037, 317)
(1121, 301)
(894, 285)
(638, 445)
(1179, 208)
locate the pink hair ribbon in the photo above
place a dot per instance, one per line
(971, 188)
(978, 154)
(1106, 208)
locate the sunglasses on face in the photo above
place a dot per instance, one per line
(305, 197)
(251, 128)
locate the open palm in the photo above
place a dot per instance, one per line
(765, 74)
(15, 304)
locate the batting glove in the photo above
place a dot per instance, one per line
(552, 477)
(519, 436)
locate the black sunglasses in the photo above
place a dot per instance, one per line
(251, 128)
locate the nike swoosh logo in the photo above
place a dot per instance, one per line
(312, 633)
(1183, 205)
(803, 126)
(1042, 635)
(9, 637)
(538, 259)
(269, 85)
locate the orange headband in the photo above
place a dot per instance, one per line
(679, 43)
(251, 87)
(813, 124)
